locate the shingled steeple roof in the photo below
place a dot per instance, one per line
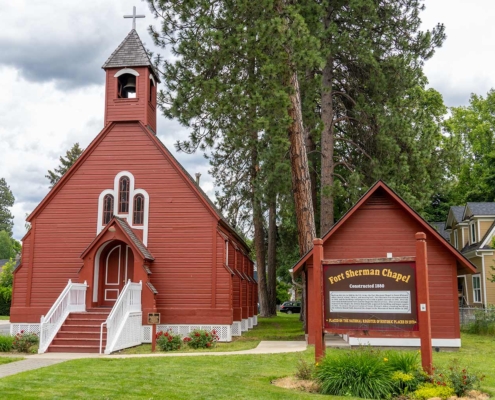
(130, 53)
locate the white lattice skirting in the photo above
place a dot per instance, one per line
(236, 328)
(224, 332)
(255, 320)
(250, 323)
(244, 325)
(27, 328)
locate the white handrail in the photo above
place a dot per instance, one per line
(129, 301)
(72, 299)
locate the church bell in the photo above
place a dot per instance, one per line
(128, 86)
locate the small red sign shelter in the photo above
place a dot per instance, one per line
(340, 296)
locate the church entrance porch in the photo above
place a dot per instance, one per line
(116, 266)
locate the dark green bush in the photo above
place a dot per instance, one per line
(362, 373)
(6, 343)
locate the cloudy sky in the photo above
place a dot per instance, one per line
(51, 52)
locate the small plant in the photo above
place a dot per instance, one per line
(6, 343)
(404, 361)
(305, 370)
(24, 341)
(429, 390)
(202, 339)
(484, 322)
(362, 373)
(405, 383)
(168, 341)
(461, 379)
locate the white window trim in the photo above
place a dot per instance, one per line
(127, 216)
(474, 290)
(472, 232)
(126, 71)
(456, 240)
(153, 79)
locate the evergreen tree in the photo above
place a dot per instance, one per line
(374, 53)
(66, 162)
(6, 201)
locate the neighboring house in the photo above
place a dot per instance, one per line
(129, 222)
(471, 229)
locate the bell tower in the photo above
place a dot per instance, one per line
(131, 83)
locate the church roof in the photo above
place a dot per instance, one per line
(130, 53)
(137, 242)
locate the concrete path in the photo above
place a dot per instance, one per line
(36, 361)
(25, 365)
(4, 327)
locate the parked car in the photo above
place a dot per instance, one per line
(291, 307)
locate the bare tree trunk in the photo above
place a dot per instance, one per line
(311, 147)
(327, 146)
(272, 257)
(301, 182)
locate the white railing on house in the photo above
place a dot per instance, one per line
(124, 323)
(72, 299)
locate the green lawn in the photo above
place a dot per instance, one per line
(283, 327)
(202, 377)
(4, 318)
(6, 360)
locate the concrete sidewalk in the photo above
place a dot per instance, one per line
(36, 361)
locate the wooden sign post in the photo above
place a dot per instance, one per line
(423, 299)
(379, 294)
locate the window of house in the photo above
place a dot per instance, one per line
(126, 86)
(456, 241)
(107, 208)
(476, 288)
(473, 232)
(124, 195)
(138, 217)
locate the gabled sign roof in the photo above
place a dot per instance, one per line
(427, 228)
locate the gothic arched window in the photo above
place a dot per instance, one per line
(124, 195)
(107, 208)
(138, 217)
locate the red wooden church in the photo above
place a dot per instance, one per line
(127, 232)
(381, 225)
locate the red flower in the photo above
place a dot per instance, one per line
(22, 331)
(196, 334)
(166, 333)
(214, 331)
(206, 334)
(208, 344)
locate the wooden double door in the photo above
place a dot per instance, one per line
(116, 268)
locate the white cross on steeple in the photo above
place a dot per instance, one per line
(134, 16)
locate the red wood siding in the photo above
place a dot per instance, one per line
(21, 275)
(381, 226)
(223, 293)
(129, 109)
(180, 230)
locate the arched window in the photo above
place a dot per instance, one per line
(124, 195)
(126, 88)
(138, 218)
(107, 208)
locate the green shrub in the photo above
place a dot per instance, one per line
(305, 370)
(404, 361)
(168, 341)
(201, 339)
(24, 341)
(484, 322)
(361, 373)
(6, 343)
(429, 390)
(461, 379)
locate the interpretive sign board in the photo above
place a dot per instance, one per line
(370, 296)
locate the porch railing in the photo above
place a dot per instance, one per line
(72, 299)
(124, 323)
